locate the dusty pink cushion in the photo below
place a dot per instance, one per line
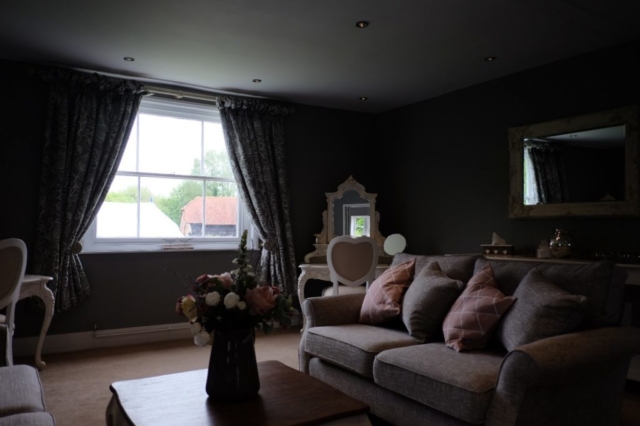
(383, 300)
(474, 316)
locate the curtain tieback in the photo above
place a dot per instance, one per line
(269, 245)
(76, 247)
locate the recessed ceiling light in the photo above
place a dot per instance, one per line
(129, 59)
(363, 98)
(362, 24)
(490, 58)
(257, 80)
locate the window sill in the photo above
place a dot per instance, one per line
(157, 248)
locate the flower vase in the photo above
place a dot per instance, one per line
(233, 370)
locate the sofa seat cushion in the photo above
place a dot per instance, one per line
(457, 383)
(354, 346)
(20, 390)
(28, 419)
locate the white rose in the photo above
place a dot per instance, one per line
(242, 306)
(202, 339)
(212, 298)
(196, 328)
(231, 300)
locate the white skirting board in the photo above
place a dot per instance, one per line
(72, 342)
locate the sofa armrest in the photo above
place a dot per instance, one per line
(570, 363)
(325, 311)
(332, 310)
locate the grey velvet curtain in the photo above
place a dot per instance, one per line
(254, 134)
(550, 171)
(88, 121)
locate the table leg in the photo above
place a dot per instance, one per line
(47, 297)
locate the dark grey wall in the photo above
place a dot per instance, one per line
(440, 169)
(446, 179)
(135, 289)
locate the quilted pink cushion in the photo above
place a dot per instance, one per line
(475, 315)
(383, 300)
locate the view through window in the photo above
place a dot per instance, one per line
(174, 181)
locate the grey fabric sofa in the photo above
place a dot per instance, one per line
(22, 397)
(571, 379)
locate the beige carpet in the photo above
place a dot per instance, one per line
(76, 385)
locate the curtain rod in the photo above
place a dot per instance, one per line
(180, 94)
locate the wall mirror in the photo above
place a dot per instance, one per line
(586, 165)
(350, 211)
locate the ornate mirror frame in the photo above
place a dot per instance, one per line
(627, 116)
(328, 231)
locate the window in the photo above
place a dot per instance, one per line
(359, 226)
(174, 187)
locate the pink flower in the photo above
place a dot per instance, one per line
(203, 279)
(260, 299)
(225, 279)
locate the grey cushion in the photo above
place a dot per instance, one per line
(24, 394)
(427, 302)
(601, 282)
(28, 419)
(541, 310)
(457, 383)
(354, 346)
(458, 267)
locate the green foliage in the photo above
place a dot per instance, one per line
(244, 277)
(129, 195)
(180, 196)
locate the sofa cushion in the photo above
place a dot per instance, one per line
(601, 282)
(28, 419)
(457, 267)
(25, 393)
(354, 346)
(457, 383)
(383, 300)
(475, 315)
(541, 310)
(427, 302)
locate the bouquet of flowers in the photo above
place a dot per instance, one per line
(232, 301)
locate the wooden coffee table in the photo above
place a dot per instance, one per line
(286, 397)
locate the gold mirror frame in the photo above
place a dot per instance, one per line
(627, 116)
(328, 231)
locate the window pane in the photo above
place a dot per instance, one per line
(128, 162)
(169, 145)
(118, 215)
(216, 159)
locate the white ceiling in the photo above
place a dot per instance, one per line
(310, 51)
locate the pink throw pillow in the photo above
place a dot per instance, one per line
(383, 300)
(474, 317)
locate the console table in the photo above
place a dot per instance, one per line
(633, 270)
(36, 285)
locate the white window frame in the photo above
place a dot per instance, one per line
(180, 109)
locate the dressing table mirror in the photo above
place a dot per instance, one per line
(351, 210)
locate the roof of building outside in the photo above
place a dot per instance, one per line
(119, 220)
(220, 211)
